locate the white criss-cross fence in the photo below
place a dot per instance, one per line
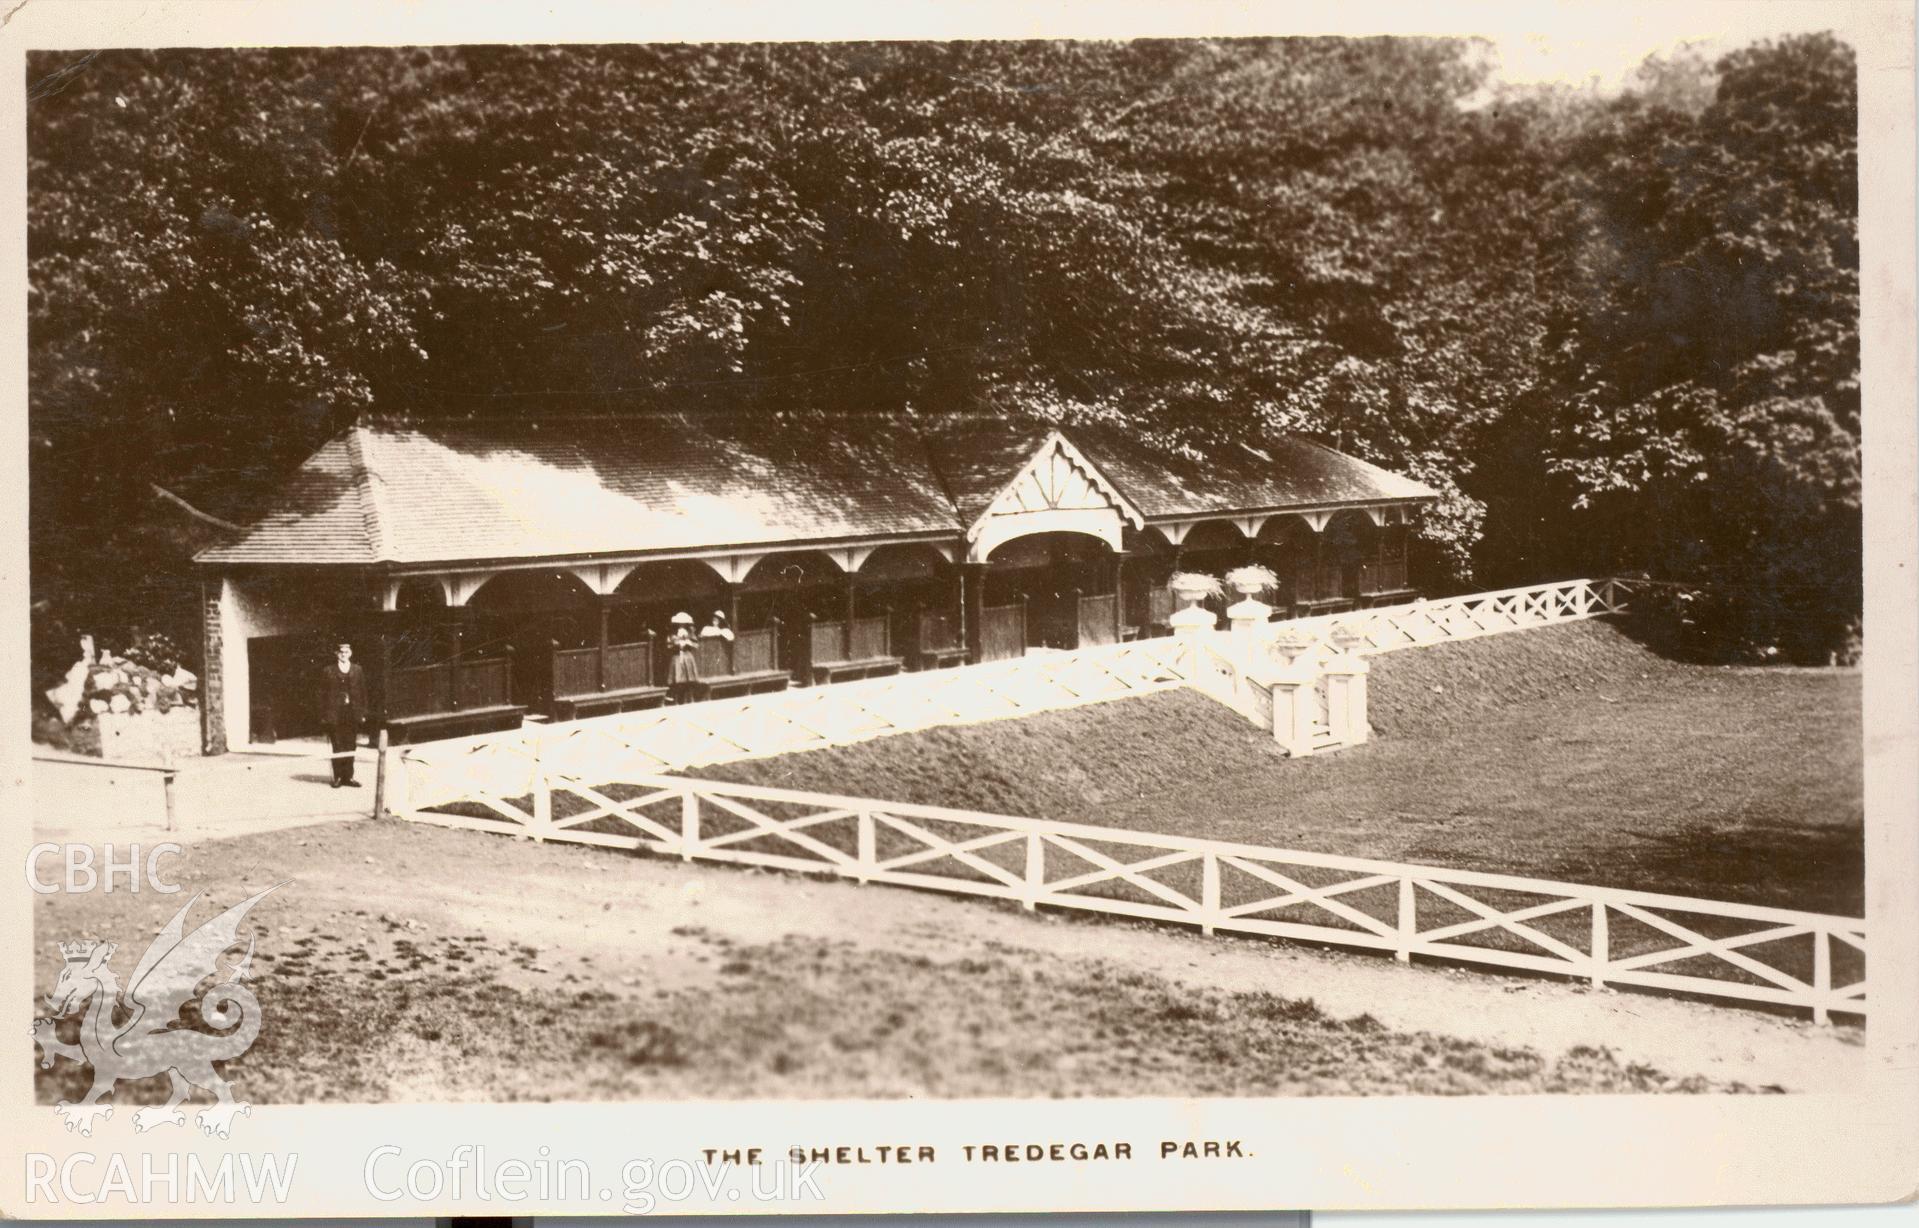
(1604, 935)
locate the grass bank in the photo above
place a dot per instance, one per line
(1569, 753)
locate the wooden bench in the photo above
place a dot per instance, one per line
(862, 648)
(937, 643)
(1323, 605)
(753, 683)
(604, 678)
(427, 726)
(1391, 596)
(748, 664)
(843, 671)
(601, 703)
(941, 658)
(448, 698)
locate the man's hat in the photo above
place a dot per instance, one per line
(683, 617)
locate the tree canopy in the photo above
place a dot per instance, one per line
(1614, 332)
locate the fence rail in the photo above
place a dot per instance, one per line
(1418, 624)
(1604, 935)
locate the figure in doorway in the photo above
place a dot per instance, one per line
(343, 701)
(683, 672)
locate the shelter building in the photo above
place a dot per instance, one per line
(489, 571)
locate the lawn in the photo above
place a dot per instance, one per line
(1568, 753)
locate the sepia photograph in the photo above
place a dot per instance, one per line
(929, 570)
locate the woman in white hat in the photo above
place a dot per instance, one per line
(683, 673)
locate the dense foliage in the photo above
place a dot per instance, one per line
(1615, 332)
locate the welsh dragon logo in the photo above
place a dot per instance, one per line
(137, 1032)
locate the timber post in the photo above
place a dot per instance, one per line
(972, 606)
(606, 610)
(167, 789)
(453, 664)
(379, 772)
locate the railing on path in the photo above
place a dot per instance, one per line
(167, 772)
(684, 736)
(752, 726)
(1418, 624)
(1603, 935)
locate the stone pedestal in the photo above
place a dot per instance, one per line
(1346, 697)
(1246, 617)
(1293, 705)
(1192, 622)
(1191, 625)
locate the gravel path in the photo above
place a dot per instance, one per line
(504, 969)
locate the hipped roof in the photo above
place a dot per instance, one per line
(469, 490)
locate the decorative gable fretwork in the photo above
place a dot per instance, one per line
(1057, 491)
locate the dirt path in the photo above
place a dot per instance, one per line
(1718, 1042)
(393, 915)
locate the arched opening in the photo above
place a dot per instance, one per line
(419, 593)
(1063, 585)
(1215, 547)
(1145, 601)
(525, 615)
(1288, 545)
(787, 594)
(917, 591)
(414, 635)
(652, 593)
(1330, 582)
(1383, 564)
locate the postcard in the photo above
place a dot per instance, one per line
(901, 609)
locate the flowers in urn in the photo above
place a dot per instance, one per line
(1252, 580)
(1193, 587)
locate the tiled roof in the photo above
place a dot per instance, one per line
(322, 515)
(1282, 473)
(978, 457)
(441, 492)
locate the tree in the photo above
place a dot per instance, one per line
(1522, 303)
(1709, 383)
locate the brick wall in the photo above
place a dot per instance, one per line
(213, 711)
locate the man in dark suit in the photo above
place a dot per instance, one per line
(343, 704)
